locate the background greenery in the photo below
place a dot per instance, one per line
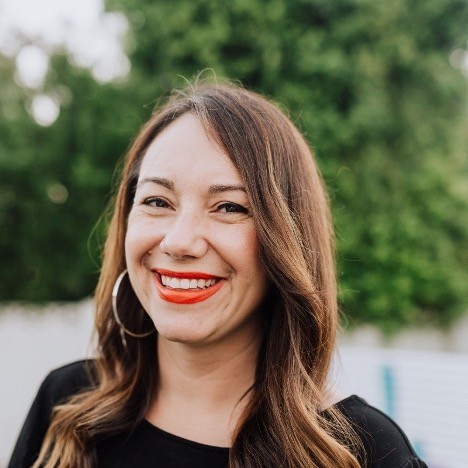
(368, 81)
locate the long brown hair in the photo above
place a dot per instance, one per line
(283, 424)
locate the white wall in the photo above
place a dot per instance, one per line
(425, 391)
(33, 342)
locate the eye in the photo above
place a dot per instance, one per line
(230, 207)
(155, 202)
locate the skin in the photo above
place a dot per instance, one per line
(191, 214)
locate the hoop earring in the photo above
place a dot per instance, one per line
(122, 328)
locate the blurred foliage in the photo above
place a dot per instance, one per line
(369, 83)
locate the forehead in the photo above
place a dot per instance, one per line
(183, 152)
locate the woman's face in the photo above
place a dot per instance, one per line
(191, 246)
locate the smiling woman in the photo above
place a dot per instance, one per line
(215, 350)
(191, 214)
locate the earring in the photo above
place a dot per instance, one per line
(123, 330)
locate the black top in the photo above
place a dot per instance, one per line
(148, 446)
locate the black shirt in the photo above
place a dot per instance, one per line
(148, 446)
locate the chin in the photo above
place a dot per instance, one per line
(182, 331)
(188, 337)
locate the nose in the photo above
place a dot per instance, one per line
(185, 238)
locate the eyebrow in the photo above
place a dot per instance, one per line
(225, 188)
(214, 189)
(157, 180)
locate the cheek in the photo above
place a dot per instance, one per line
(141, 237)
(255, 272)
(244, 238)
(243, 249)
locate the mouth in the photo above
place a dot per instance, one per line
(186, 287)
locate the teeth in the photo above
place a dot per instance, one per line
(186, 283)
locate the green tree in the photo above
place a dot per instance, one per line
(368, 81)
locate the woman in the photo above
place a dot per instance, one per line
(216, 310)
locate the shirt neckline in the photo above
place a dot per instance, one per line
(212, 448)
(181, 440)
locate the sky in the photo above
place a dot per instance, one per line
(31, 30)
(91, 38)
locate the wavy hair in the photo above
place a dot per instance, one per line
(284, 424)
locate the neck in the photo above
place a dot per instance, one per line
(204, 386)
(213, 374)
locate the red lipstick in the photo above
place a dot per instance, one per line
(185, 274)
(185, 296)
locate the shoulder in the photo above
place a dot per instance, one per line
(65, 381)
(58, 386)
(385, 443)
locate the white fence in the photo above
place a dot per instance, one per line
(425, 391)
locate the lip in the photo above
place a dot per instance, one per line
(185, 274)
(185, 296)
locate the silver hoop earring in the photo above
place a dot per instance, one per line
(123, 329)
